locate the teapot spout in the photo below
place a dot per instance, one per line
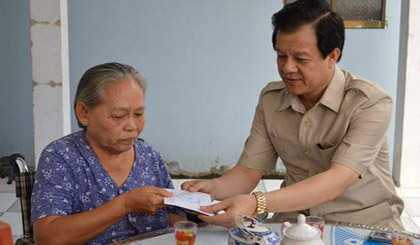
(283, 227)
(286, 224)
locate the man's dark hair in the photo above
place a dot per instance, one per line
(328, 25)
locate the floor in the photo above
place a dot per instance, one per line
(10, 205)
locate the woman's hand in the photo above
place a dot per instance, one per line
(240, 204)
(81, 227)
(145, 200)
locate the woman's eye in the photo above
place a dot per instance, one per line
(118, 117)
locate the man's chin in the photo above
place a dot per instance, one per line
(294, 90)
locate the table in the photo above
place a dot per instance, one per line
(335, 233)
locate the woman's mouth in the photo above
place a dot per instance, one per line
(130, 140)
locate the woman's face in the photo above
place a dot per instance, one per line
(114, 125)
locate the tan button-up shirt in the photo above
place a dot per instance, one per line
(347, 126)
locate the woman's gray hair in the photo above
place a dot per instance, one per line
(94, 80)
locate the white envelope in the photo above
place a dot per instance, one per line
(189, 200)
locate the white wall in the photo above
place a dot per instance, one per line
(373, 54)
(406, 157)
(16, 116)
(206, 62)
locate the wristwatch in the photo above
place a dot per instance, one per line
(261, 211)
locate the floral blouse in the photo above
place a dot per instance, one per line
(71, 180)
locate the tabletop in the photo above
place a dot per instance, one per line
(334, 233)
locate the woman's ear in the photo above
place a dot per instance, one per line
(82, 113)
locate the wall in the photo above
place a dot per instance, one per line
(373, 54)
(406, 157)
(206, 62)
(16, 117)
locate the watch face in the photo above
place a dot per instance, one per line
(262, 216)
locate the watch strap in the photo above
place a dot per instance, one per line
(261, 204)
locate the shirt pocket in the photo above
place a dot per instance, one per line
(326, 155)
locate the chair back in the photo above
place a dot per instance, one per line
(24, 183)
(15, 168)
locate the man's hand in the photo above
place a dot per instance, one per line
(205, 186)
(227, 185)
(145, 200)
(240, 204)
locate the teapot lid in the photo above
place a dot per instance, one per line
(250, 225)
(301, 229)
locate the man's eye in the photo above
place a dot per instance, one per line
(138, 114)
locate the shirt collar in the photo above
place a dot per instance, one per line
(293, 101)
(289, 100)
(331, 98)
(333, 95)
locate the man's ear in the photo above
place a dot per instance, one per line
(333, 57)
(82, 112)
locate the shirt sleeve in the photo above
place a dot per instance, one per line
(52, 188)
(259, 152)
(366, 134)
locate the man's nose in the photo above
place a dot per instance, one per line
(289, 65)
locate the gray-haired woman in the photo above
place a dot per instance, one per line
(102, 184)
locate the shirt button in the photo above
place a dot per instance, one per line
(308, 123)
(306, 151)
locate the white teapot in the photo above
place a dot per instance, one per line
(300, 233)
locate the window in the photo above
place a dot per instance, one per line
(358, 13)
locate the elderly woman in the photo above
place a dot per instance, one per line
(102, 184)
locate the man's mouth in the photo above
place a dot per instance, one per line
(291, 80)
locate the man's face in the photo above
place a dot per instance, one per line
(115, 124)
(300, 63)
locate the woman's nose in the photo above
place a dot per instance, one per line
(131, 124)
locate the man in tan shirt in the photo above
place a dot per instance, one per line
(328, 127)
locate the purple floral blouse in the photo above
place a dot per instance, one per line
(71, 180)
